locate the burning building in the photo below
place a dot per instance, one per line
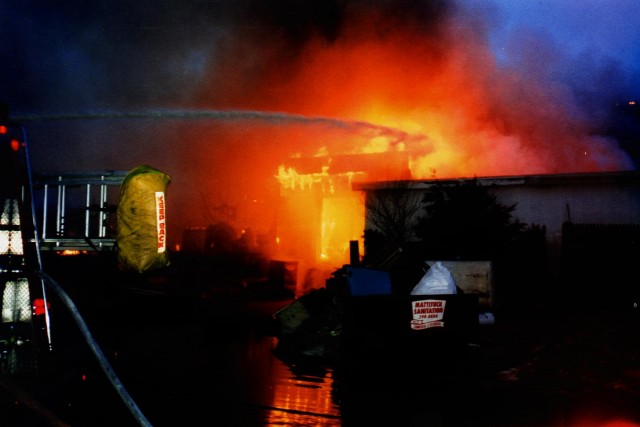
(322, 96)
(320, 213)
(383, 92)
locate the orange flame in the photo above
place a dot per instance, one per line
(439, 99)
(455, 110)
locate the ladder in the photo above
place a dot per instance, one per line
(25, 339)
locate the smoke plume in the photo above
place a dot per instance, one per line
(219, 94)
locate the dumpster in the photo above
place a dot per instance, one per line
(472, 277)
(409, 327)
(371, 322)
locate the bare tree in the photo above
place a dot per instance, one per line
(393, 212)
(466, 220)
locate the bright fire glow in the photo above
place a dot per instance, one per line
(436, 96)
(342, 222)
(290, 179)
(325, 213)
(71, 252)
(610, 423)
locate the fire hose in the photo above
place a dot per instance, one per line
(101, 358)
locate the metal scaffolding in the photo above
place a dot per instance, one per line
(77, 209)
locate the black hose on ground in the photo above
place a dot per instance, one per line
(102, 360)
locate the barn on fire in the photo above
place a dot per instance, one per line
(590, 223)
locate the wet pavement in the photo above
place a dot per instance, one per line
(210, 358)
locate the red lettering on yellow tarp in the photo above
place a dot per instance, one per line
(161, 221)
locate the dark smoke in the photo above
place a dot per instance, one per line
(278, 32)
(114, 63)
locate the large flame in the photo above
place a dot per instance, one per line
(454, 108)
(432, 92)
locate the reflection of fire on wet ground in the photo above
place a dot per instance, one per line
(564, 369)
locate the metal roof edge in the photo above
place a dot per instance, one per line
(79, 177)
(628, 176)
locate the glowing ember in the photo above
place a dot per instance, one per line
(290, 179)
(71, 252)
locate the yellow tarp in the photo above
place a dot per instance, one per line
(141, 228)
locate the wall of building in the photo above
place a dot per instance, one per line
(578, 201)
(552, 205)
(552, 200)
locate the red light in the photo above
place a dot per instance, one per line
(3, 129)
(38, 307)
(15, 144)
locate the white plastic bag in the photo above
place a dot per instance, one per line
(437, 280)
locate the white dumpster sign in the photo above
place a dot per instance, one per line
(427, 313)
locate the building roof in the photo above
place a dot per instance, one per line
(618, 177)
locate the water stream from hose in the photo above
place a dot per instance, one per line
(268, 117)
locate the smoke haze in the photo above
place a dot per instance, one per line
(219, 94)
